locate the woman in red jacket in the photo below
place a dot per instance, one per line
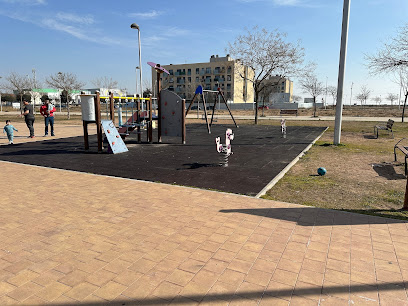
(47, 110)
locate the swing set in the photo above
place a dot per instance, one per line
(217, 94)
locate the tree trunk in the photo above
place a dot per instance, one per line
(256, 107)
(314, 106)
(21, 103)
(403, 108)
(68, 113)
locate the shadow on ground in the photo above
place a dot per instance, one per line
(267, 295)
(312, 216)
(387, 171)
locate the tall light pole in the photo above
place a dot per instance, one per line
(342, 67)
(325, 97)
(135, 26)
(351, 92)
(137, 67)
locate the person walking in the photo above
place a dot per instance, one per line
(47, 110)
(9, 130)
(28, 113)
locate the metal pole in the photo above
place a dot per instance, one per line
(342, 66)
(140, 66)
(136, 80)
(325, 97)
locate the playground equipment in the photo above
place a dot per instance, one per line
(219, 93)
(283, 127)
(170, 108)
(225, 149)
(172, 115)
(141, 117)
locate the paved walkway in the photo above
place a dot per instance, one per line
(74, 238)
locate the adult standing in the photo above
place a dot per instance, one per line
(28, 113)
(47, 110)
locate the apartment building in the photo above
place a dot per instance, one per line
(278, 89)
(220, 72)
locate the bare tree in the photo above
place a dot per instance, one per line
(67, 82)
(392, 97)
(377, 100)
(363, 95)
(311, 85)
(332, 90)
(105, 82)
(296, 98)
(265, 53)
(392, 56)
(20, 84)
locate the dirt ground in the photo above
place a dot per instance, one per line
(361, 173)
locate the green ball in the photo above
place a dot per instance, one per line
(321, 171)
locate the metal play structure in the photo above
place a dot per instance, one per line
(170, 118)
(218, 93)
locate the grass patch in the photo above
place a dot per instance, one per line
(351, 183)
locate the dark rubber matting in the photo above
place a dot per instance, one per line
(260, 153)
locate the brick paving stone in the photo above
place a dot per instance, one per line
(81, 291)
(53, 291)
(173, 248)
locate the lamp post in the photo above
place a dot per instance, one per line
(135, 26)
(351, 92)
(137, 67)
(342, 67)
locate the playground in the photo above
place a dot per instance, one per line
(259, 154)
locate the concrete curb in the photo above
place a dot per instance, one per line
(287, 168)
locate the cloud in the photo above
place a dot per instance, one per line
(148, 15)
(88, 19)
(82, 34)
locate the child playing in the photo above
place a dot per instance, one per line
(9, 130)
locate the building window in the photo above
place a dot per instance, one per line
(229, 69)
(197, 79)
(228, 86)
(189, 79)
(171, 72)
(197, 70)
(189, 72)
(208, 70)
(228, 78)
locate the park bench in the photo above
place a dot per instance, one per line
(404, 150)
(288, 112)
(387, 127)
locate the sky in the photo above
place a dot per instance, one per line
(93, 39)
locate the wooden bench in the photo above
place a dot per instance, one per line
(387, 127)
(288, 112)
(404, 150)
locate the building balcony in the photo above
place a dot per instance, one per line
(219, 71)
(180, 73)
(181, 81)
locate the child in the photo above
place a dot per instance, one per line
(9, 130)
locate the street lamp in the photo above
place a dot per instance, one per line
(135, 26)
